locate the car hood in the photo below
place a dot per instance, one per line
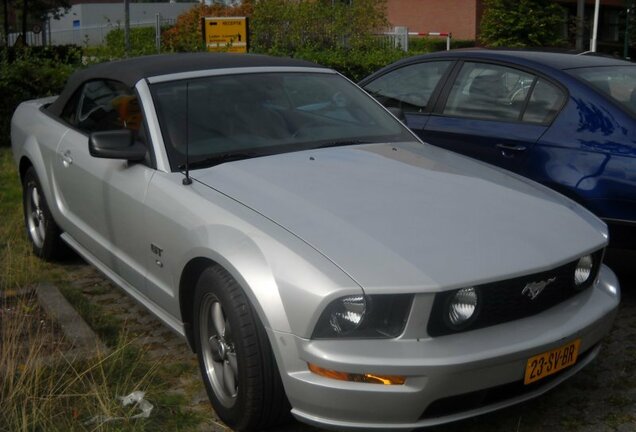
(409, 216)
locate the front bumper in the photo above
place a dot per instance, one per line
(439, 368)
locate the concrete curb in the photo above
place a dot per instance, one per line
(86, 343)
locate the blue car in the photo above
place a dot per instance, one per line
(567, 121)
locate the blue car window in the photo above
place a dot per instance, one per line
(488, 91)
(619, 83)
(545, 102)
(409, 87)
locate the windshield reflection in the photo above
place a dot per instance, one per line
(259, 114)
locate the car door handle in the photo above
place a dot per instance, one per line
(510, 147)
(67, 160)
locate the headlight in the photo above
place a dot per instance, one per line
(462, 307)
(583, 270)
(347, 313)
(359, 316)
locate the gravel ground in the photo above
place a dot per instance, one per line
(600, 398)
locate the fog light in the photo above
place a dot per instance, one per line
(462, 306)
(583, 270)
(365, 378)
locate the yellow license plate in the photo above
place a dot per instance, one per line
(543, 365)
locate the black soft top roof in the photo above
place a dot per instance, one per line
(130, 71)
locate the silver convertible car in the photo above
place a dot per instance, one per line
(320, 259)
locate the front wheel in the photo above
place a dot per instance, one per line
(236, 360)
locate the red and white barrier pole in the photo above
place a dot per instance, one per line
(447, 35)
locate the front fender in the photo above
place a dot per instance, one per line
(287, 282)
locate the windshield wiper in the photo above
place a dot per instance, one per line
(218, 159)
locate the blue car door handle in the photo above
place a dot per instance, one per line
(509, 150)
(510, 147)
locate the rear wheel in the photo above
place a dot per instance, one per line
(42, 230)
(236, 360)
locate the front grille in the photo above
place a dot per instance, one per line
(482, 398)
(505, 301)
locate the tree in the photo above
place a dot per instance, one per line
(630, 29)
(40, 9)
(29, 12)
(286, 26)
(522, 23)
(283, 27)
(5, 20)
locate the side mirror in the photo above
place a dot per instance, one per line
(397, 112)
(116, 144)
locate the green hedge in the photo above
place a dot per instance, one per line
(431, 44)
(359, 63)
(354, 64)
(68, 54)
(28, 76)
(142, 42)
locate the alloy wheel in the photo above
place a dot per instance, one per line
(35, 216)
(219, 352)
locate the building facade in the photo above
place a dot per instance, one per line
(462, 18)
(89, 23)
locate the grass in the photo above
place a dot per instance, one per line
(66, 396)
(18, 267)
(106, 326)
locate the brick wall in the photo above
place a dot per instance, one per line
(457, 16)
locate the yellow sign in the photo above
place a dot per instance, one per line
(225, 34)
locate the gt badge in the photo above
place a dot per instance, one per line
(156, 249)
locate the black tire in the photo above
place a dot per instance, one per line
(43, 232)
(251, 397)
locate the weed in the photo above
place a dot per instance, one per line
(614, 419)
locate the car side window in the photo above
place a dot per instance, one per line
(488, 91)
(69, 113)
(409, 87)
(108, 105)
(545, 102)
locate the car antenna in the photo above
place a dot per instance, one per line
(187, 180)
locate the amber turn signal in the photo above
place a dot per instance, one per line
(365, 378)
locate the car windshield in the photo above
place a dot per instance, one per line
(619, 83)
(231, 117)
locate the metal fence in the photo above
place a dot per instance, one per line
(86, 36)
(90, 35)
(31, 39)
(399, 37)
